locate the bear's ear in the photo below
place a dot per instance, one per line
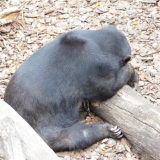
(71, 38)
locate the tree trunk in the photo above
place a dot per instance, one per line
(18, 141)
(138, 119)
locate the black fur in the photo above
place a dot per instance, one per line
(76, 66)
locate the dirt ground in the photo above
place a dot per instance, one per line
(35, 23)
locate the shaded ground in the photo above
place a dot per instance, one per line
(39, 22)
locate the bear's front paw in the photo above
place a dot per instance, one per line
(115, 132)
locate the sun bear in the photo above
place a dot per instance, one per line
(77, 66)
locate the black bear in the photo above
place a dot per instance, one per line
(77, 66)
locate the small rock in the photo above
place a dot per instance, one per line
(92, 1)
(152, 72)
(155, 45)
(120, 158)
(5, 29)
(148, 1)
(129, 157)
(95, 156)
(135, 63)
(102, 146)
(105, 140)
(111, 143)
(113, 1)
(67, 157)
(120, 148)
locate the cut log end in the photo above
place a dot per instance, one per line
(18, 141)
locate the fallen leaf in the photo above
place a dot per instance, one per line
(9, 15)
(98, 5)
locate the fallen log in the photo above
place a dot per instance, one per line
(138, 119)
(18, 141)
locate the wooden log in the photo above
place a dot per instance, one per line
(18, 141)
(138, 119)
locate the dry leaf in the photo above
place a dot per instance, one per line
(104, 153)
(9, 15)
(98, 5)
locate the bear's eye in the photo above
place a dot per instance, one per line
(126, 59)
